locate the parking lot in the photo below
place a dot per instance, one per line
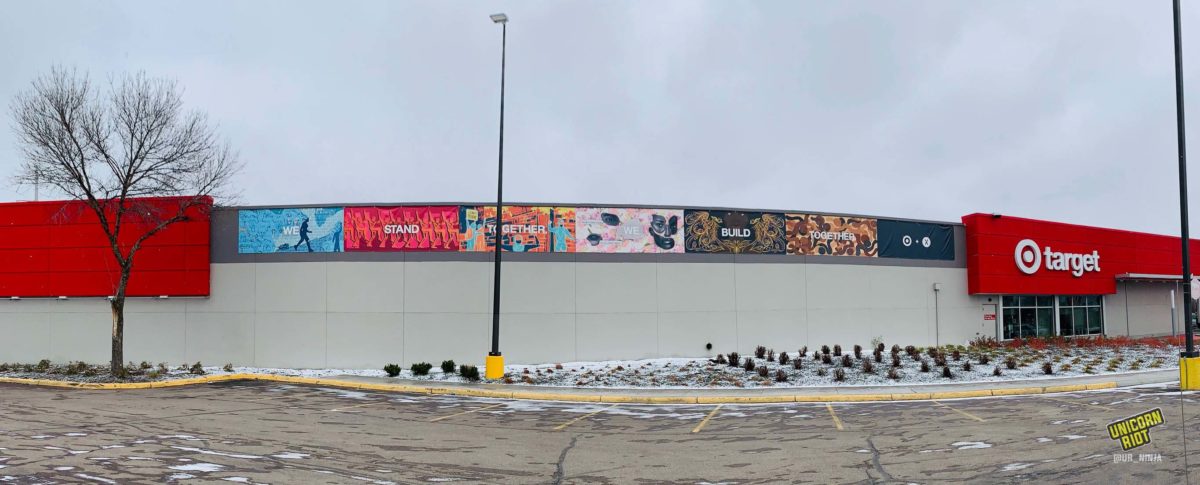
(255, 432)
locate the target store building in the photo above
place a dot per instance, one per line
(1042, 278)
(362, 285)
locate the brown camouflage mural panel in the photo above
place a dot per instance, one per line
(823, 235)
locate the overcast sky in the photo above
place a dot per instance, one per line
(1060, 110)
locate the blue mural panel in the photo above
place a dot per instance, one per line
(296, 230)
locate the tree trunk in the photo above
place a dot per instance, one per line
(118, 335)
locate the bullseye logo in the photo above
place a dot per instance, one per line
(1029, 256)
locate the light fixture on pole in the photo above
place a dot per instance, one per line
(1189, 361)
(494, 364)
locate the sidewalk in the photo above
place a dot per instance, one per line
(666, 396)
(793, 394)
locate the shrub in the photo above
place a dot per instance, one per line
(735, 360)
(4, 367)
(74, 368)
(893, 374)
(762, 371)
(868, 367)
(1088, 369)
(1010, 362)
(825, 349)
(1156, 363)
(721, 359)
(783, 358)
(145, 366)
(878, 356)
(162, 368)
(228, 367)
(1136, 365)
(826, 359)
(90, 371)
(956, 355)
(984, 342)
(940, 360)
(895, 349)
(821, 372)
(43, 365)
(780, 376)
(196, 369)
(448, 366)
(877, 342)
(804, 351)
(152, 374)
(857, 351)
(895, 361)
(469, 372)
(946, 372)
(420, 368)
(760, 352)
(837, 350)
(910, 350)
(1047, 368)
(749, 365)
(27, 367)
(798, 364)
(984, 359)
(846, 361)
(839, 375)
(817, 356)
(879, 346)
(1065, 368)
(770, 355)
(924, 365)
(933, 352)
(392, 370)
(996, 371)
(967, 366)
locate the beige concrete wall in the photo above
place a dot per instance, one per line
(1142, 308)
(366, 314)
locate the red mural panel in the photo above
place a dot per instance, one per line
(51, 249)
(1013, 255)
(409, 228)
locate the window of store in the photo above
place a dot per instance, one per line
(1080, 315)
(1028, 316)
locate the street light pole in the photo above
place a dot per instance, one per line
(494, 366)
(1183, 204)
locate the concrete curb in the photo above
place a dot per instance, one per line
(536, 395)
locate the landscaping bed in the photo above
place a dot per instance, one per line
(983, 360)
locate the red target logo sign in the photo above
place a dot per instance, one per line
(1028, 256)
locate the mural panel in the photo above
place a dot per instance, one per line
(824, 235)
(295, 230)
(734, 232)
(617, 230)
(526, 229)
(916, 240)
(407, 228)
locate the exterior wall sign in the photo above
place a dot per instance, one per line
(734, 232)
(823, 235)
(406, 228)
(1029, 259)
(309, 230)
(1013, 255)
(617, 230)
(916, 240)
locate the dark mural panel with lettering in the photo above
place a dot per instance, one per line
(915, 240)
(734, 232)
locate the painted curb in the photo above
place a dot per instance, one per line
(534, 395)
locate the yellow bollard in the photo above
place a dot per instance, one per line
(1189, 373)
(494, 367)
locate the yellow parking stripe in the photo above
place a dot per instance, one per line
(836, 422)
(581, 418)
(466, 412)
(959, 411)
(706, 418)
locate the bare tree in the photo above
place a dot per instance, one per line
(110, 150)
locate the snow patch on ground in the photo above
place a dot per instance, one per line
(290, 456)
(217, 453)
(198, 467)
(95, 479)
(970, 445)
(1016, 466)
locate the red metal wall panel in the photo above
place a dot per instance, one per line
(992, 261)
(50, 249)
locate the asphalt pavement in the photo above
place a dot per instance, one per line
(263, 432)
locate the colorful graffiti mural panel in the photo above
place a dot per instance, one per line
(402, 228)
(825, 235)
(625, 230)
(734, 232)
